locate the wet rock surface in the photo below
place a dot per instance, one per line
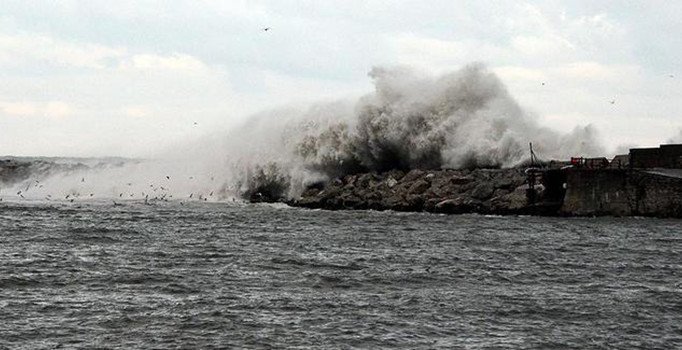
(486, 191)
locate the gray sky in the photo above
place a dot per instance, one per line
(129, 78)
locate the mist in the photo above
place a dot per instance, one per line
(677, 138)
(463, 119)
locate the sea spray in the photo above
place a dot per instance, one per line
(463, 119)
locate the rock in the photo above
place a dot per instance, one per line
(457, 205)
(504, 183)
(460, 180)
(394, 202)
(445, 191)
(512, 202)
(395, 174)
(419, 187)
(414, 203)
(350, 179)
(483, 190)
(311, 192)
(412, 175)
(500, 192)
(351, 202)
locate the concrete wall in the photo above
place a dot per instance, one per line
(621, 192)
(666, 156)
(645, 158)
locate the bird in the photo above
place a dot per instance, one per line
(121, 195)
(191, 194)
(167, 177)
(266, 29)
(612, 102)
(543, 84)
(671, 76)
(195, 123)
(83, 180)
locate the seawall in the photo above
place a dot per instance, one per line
(623, 192)
(567, 192)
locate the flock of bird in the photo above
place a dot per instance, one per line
(155, 193)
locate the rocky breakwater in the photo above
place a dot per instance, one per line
(485, 191)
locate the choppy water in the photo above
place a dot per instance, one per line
(222, 276)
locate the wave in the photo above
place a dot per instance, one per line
(463, 119)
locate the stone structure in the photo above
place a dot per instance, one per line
(665, 156)
(621, 192)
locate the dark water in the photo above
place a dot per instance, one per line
(209, 276)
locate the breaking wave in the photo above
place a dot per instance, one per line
(463, 119)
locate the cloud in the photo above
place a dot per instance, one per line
(52, 109)
(32, 49)
(157, 62)
(113, 65)
(18, 109)
(57, 109)
(136, 111)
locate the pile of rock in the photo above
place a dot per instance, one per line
(486, 191)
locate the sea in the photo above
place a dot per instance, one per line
(194, 275)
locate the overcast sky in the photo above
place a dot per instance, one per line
(128, 78)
